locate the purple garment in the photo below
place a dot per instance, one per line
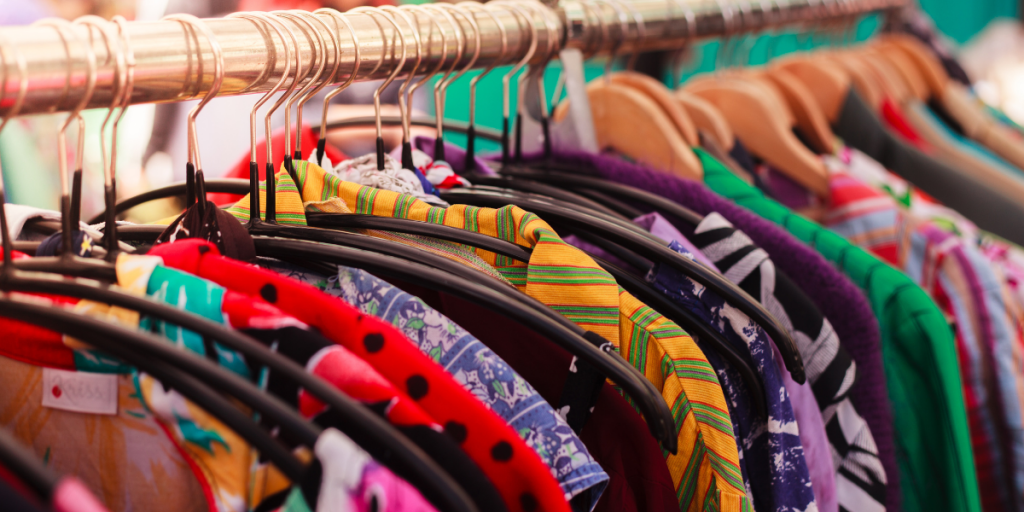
(838, 298)
(813, 437)
(660, 227)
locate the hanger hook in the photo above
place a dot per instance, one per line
(68, 210)
(518, 12)
(319, 49)
(357, 60)
(19, 100)
(120, 77)
(691, 31)
(623, 33)
(439, 153)
(397, 69)
(471, 132)
(728, 21)
(442, 84)
(260, 19)
(403, 99)
(430, 40)
(195, 25)
(325, 81)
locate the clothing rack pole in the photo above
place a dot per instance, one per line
(169, 57)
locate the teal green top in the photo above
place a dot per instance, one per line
(933, 444)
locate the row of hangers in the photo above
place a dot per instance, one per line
(543, 189)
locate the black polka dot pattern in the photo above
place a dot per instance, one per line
(528, 502)
(203, 249)
(501, 452)
(455, 430)
(417, 387)
(373, 342)
(269, 293)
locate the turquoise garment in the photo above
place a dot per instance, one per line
(966, 145)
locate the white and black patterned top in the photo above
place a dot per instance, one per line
(860, 477)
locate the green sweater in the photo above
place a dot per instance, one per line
(918, 350)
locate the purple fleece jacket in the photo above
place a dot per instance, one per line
(840, 300)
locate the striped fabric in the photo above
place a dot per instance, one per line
(860, 477)
(706, 469)
(963, 283)
(290, 211)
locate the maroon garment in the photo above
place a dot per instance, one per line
(615, 434)
(839, 299)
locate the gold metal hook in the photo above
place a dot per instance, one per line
(403, 99)
(351, 77)
(319, 48)
(387, 81)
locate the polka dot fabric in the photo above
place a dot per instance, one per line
(521, 477)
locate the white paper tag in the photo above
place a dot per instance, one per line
(93, 393)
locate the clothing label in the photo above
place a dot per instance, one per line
(92, 393)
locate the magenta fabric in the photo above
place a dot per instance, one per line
(839, 299)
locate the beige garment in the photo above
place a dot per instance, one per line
(980, 126)
(127, 460)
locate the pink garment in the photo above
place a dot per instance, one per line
(817, 451)
(352, 481)
(72, 496)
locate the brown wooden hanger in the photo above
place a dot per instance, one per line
(890, 81)
(904, 68)
(663, 97)
(753, 112)
(925, 62)
(707, 118)
(826, 82)
(629, 122)
(864, 80)
(809, 117)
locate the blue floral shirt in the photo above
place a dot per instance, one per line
(770, 448)
(474, 366)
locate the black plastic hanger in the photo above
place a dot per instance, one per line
(571, 178)
(692, 325)
(652, 250)
(648, 399)
(21, 462)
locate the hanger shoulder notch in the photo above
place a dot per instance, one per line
(828, 84)
(663, 97)
(633, 124)
(809, 117)
(707, 118)
(764, 132)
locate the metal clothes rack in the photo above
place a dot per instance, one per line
(168, 57)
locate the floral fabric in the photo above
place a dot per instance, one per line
(474, 366)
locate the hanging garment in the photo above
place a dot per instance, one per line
(772, 448)
(831, 372)
(289, 210)
(595, 303)
(838, 298)
(293, 339)
(516, 471)
(590, 298)
(615, 434)
(474, 366)
(989, 208)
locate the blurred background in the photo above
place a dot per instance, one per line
(987, 34)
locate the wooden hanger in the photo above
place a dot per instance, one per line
(631, 123)
(925, 62)
(707, 118)
(809, 117)
(888, 79)
(827, 83)
(864, 80)
(905, 69)
(663, 97)
(762, 130)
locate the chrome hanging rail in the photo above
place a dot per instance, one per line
(170, 59)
